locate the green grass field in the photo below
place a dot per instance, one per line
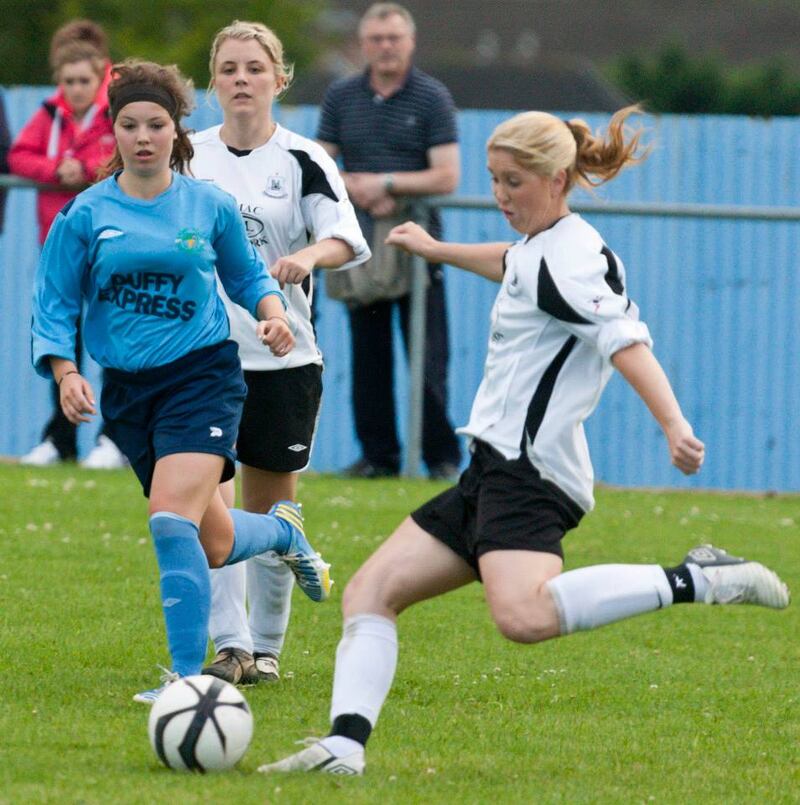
(693, 704)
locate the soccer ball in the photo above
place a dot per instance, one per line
(200, 723)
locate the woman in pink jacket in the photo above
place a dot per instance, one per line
(70, 136)
(64, 144)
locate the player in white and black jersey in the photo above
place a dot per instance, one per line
(561, 321)
(298, 216)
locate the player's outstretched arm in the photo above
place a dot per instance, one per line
(485, 259)
(641, 369)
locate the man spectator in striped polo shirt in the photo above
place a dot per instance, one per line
(395, 129)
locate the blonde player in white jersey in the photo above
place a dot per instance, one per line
(298, 216)
(561, 321)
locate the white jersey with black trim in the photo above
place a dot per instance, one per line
(290, 193)
(561, 313)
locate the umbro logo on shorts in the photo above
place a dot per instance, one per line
(170, 602)
(214, 432)
(109, 233)
(298, 448)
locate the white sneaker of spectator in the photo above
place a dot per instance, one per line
(42, 455)
(104, 456)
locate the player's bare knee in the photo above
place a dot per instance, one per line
(157, 504)
(367, 592)
(350, 596)
(216, 557)
(521, 623)
(358, 595)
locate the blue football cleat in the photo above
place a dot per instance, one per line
(310, 571)
(148, 697)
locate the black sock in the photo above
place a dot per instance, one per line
(352, 726)
(682, 584)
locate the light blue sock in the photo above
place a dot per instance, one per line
(185, 589)
(255, 533)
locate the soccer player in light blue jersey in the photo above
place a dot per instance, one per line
(142, 249)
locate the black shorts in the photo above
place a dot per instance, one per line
(279, 418)
(499, 504)
(191, 405)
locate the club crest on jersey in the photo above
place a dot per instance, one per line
(276, 186)
(253, 225)
(189, 240)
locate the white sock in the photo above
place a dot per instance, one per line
(269, 593)
(700, 581)
(340, 746)
(227, 625)
(366, 659)
(594, 596)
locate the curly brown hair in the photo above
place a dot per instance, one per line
(165, 77)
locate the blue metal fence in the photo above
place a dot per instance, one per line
(720, 296)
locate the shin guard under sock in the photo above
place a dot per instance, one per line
(185, 589)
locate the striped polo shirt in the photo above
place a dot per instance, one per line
(386, 135)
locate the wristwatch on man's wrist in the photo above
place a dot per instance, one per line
(388, 182)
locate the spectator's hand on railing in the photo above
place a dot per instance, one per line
(70, 173)
(366, 189)
(414, 239)
(383, 208)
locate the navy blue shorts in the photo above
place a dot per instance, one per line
(191, 405)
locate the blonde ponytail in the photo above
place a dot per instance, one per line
(545, 144)
(600, 158)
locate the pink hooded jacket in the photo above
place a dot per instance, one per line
(51, 136)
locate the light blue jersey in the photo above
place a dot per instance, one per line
(146, 269)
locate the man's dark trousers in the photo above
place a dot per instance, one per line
(373, 380)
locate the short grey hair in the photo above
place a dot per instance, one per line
(380, 11)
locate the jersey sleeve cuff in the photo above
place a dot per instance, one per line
(621, 333)
(361, 251)
(43, 350)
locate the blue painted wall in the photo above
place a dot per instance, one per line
(721, 299)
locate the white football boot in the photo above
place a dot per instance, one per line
(317, 757)
(733, 580)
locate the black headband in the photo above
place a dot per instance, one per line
(131, 93)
